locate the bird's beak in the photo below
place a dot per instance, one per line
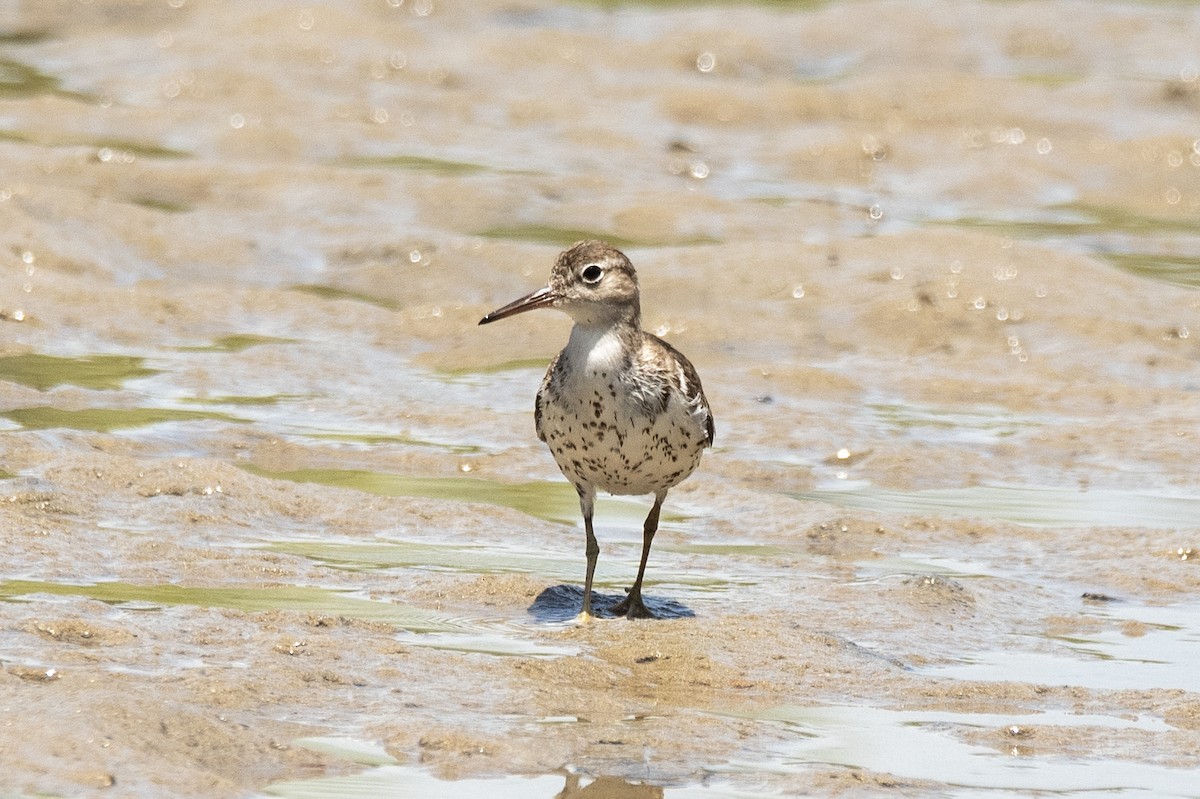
(541, 298)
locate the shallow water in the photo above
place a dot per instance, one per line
(137, 597)
(1155, 647)
(1039, 507)
(270, 494)
(553, 501)
(96, 371)
(407, 781)
(923, 745)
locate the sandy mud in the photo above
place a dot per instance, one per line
(273, 517)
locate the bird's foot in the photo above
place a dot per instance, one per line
(632, 607)
(584, 617)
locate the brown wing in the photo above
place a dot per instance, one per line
(687, 381)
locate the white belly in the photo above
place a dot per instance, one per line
(601, 436)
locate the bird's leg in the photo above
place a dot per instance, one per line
(632, 605)
(587, 500)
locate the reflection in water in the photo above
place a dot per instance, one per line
(607, 788)
(560, 603)
(392, 781)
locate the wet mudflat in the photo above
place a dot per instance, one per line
(274, 519)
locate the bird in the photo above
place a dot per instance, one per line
(621, 410)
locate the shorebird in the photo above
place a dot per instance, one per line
(621, 410)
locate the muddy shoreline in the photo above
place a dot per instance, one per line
(273, 514)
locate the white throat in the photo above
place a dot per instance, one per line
(595, 349)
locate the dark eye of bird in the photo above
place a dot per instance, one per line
(591, 273)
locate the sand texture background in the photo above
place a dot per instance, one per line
(273, 516)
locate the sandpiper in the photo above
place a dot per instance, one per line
(621, 410)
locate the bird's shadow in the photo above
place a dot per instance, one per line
(560, 603)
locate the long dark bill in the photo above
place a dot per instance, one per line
(538, 299)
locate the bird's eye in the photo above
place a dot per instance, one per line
(592, 274)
